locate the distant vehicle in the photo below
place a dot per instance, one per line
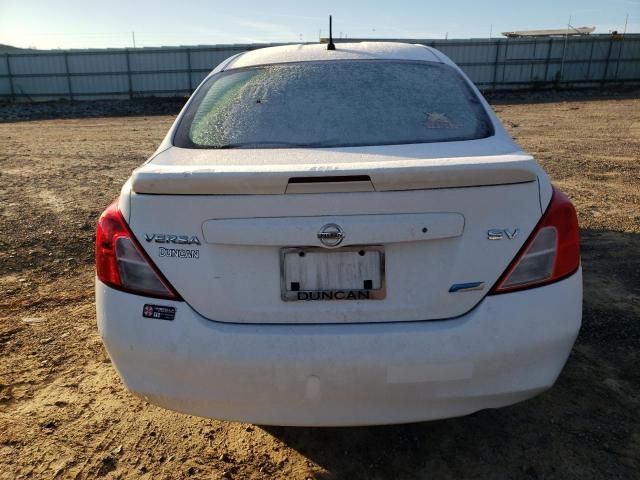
(557, 32)
(338, 237)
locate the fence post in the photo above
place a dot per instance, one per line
(564, 51)
(504, 63)
(546, 66)
(189, 69)
(606, 65)
(129, 74)
(66, 67)
(590, 60)
(10, 77)
(615, 75)
(533, 59)
(495, 65)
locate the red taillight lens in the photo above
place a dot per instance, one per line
(121, 262)
(551, 253)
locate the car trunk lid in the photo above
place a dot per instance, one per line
(425, 217)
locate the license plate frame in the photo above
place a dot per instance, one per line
(289, 295)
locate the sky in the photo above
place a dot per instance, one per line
(121, 23)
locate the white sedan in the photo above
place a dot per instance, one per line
(338, 237)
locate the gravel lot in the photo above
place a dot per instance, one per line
(65, 414)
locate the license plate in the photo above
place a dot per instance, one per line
(347, 273)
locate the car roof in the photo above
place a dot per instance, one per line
(343, 51)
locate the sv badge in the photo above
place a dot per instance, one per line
(502, 233)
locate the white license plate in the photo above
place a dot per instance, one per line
(347, 273)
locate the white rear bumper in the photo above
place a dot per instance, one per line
(509, 348)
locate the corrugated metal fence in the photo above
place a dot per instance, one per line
(493, 64)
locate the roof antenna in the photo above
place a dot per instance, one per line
(331, 46)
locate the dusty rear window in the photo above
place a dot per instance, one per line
(333, 104)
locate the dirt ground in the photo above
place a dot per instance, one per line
(65, 414)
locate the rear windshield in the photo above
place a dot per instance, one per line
(333, 104)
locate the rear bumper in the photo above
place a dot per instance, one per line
(509, 348)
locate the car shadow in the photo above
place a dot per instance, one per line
(586, 426)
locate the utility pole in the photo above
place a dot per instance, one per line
(491, 31)
(133, 38)
(626, 20)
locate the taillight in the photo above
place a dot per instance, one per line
(121, 262)
(551, 253)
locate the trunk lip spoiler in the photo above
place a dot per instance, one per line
(391, 175)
